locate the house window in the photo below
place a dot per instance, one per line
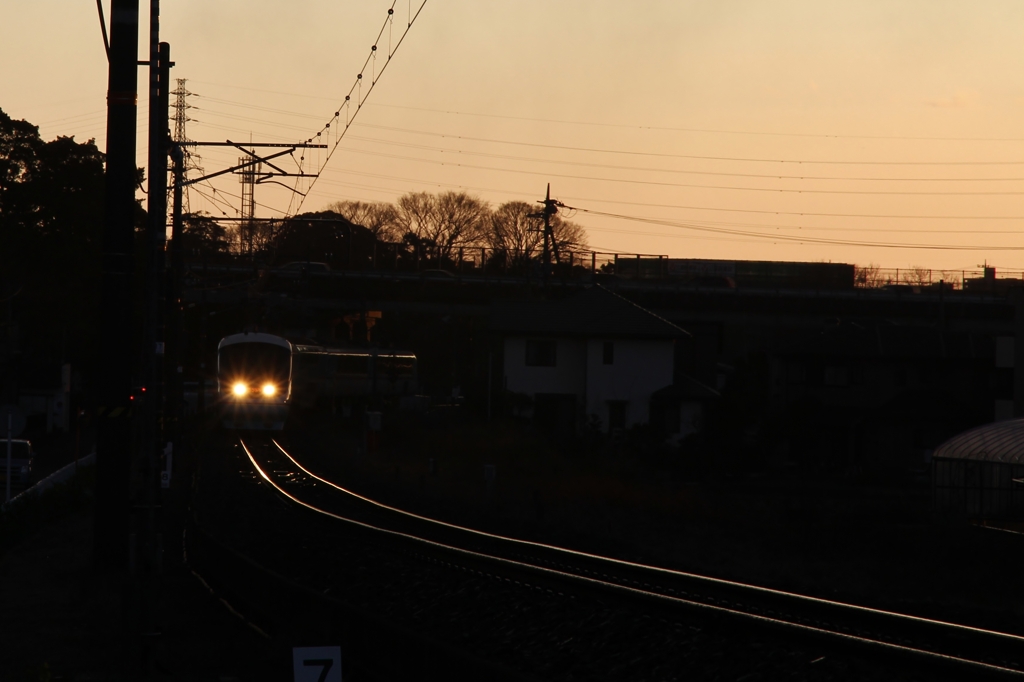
(541, 353)
(609, 353)
(617, 414)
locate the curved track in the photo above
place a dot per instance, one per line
(944, 646)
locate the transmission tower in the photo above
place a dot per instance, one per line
(181, 106)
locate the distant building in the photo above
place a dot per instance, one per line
(978, 474)
(596, 359)
(739, 273)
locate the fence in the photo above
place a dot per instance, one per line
(985, 279)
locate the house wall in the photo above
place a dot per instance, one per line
(639, 369)
(567, 376)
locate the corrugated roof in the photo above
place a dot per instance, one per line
(593, 312)
(999, 442)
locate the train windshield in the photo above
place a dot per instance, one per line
(254, 362)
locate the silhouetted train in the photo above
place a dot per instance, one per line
(261, 377)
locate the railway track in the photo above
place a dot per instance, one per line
(947, 649)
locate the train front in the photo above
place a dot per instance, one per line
(254, 380)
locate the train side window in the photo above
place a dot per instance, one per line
(353, 364)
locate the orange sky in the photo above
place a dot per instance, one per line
(832, 128)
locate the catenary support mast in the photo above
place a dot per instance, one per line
(116, 355)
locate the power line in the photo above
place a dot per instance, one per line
(896, 216)
(263, 108)
(792, 238)
(654, 155)
(654, 183)
(589, 164)
(271, 92)
(708, 130)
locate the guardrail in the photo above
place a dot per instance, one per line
(62, 475)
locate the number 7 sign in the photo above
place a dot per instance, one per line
(317, 663)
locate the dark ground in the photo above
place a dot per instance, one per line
(873, 545)
(865, 543)
(62, 619)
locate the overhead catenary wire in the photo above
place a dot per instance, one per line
(360, 97)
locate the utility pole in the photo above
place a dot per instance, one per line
(113, 441)
(147, 561)
(551, 207)
(251, 168)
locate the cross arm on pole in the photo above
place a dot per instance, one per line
(260, 158)
(238, 166)
(253, 145)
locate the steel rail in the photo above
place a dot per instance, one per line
(1009, 637)
(818, 630)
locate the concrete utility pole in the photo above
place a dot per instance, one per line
(146, 525)
(550, 209)
(114, 372)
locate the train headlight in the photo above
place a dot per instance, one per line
(239, 388)
(269, 390)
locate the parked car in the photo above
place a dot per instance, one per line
(21, 463)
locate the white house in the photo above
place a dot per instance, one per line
(592, 358)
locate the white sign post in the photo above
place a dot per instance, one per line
(317, 663)
(10, 424)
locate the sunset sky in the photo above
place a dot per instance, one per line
(789, 130)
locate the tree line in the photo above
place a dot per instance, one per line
(51, 236)
(435, 227)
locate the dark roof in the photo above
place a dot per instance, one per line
(999, 442)
(595, 311)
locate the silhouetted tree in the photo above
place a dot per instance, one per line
(447, 220)
(568, 236)
(380, 217)
(324, 237)
(516, 232)
(51, 230)
(201, 234)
